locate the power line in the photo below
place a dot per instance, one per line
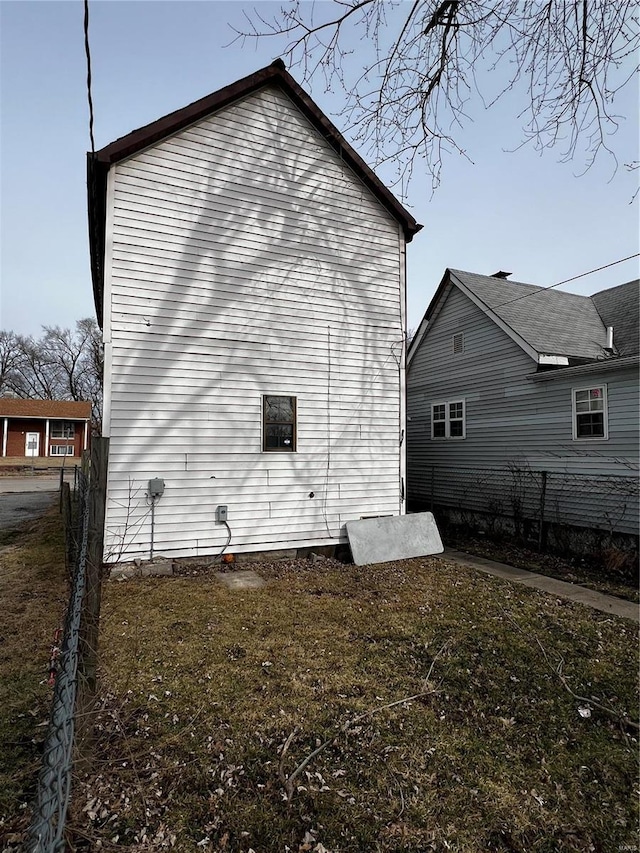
(540, 290)
(88, 52)
(566, 281)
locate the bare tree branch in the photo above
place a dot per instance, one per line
(422, 62)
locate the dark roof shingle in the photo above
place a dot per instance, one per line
(620, 307)
(550, 321)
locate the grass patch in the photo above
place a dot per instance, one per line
(33, 592)
(212, 698)
(9, 537)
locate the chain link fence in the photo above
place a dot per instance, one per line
(568, 511)
(74, 684)
(54, 782)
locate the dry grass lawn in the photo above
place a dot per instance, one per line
(213, 700)
(33, 592)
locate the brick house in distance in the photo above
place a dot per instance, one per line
(44, 428)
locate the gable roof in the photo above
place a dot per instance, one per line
(551, 326)
(620, 307)
(98, 164)
(70, 410)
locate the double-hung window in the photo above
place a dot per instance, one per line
(62, 429)
(590, 413)
(278, 423)
(448, 419)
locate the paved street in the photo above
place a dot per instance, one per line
(30, 483)
(17, 508)
(26, 496)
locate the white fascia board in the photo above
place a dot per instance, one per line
(606, 365)
(558, 360)
(426, 320)
(415, 343)
(506, 328)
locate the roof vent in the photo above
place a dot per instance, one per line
(501, 274)
(609, 345)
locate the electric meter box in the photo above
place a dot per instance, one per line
(221, 514)
(156, 487)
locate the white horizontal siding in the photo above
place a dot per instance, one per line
(247, 259)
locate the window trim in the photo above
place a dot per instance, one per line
(605, 413)
(68, 448)
(447, 420)
(69, 425)
(294, 403)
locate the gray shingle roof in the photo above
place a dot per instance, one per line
(620, 307)
(550, 321)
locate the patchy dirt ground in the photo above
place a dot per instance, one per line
(413, 706)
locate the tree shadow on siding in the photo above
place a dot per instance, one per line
(244, 289)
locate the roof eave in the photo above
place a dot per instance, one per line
(96, 202)
(428, 315)
(607, 364)
(170, 124)
(531, 351)
(99, 163)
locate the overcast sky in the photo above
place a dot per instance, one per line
(520, 212)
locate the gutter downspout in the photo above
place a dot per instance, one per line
(46, 438)
(5, 432)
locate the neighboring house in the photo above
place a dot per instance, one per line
(36, 428)
(249, 278)
(507, 381)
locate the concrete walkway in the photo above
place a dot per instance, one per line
(574, 592)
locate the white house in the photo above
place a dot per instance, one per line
(249, 277)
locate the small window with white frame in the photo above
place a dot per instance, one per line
(590, 416)
(61, 450)
(448, 419)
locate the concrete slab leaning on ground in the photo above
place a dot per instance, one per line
(398, 537)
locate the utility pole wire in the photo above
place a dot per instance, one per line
(551, 286)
